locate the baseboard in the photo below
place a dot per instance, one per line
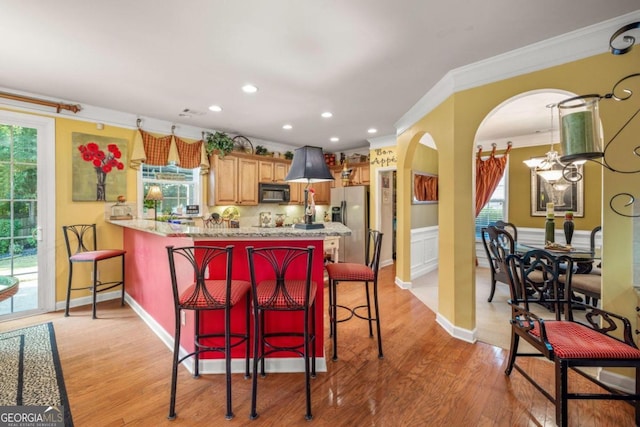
(401, 284)
(457, 332)
(617, 381)
(88, 300)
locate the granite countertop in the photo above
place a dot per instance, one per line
(181, 230)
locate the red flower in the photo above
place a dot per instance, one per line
(101, 161)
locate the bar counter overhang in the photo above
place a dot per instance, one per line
(148, 283)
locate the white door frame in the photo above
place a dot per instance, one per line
(46, 236)
(378, 207)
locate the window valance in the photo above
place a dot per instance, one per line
(163, 150)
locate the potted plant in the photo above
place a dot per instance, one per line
(219, 143)
(288, 155)
(261, 151)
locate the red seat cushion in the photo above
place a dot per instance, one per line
(218, 290)
(295, 289)
(96, 255)
(350, 272)
(571, 340)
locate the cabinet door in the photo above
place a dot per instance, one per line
(265, 171)
(226, 179)
(364, 174)
(337, 178)
(296, 195)
(323, 193)
(280, 171)
(247, 180)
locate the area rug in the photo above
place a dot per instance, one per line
(30, 370)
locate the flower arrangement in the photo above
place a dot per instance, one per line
(102, 162)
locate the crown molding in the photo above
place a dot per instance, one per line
(569, 47)
(382, 141)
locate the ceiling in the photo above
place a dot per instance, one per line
(366, 61)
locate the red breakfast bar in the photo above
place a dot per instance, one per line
(148, 283)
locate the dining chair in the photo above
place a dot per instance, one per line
(82, 247)
(281, 282)
(588, 280)
(354, 272)
(509, 227)
(209, 287)
(598, 339)
(498, 243)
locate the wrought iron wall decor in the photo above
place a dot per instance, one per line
(581, 132)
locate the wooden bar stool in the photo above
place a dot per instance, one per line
(355, 272)
(82, 246)
(284, 285)
(201, 294)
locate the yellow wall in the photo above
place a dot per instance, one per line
(453, 125)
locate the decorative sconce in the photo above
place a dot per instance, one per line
(581, 129)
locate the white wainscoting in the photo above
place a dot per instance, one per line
(424, 250)
(535, 236)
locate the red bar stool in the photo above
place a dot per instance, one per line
(355, 272)
(204, 294)
(287, 287)
(82, 246)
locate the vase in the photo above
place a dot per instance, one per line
(549, 231)
(101, 183)
(568, 230)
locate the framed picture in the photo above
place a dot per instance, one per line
(98, 168)
(565, 195)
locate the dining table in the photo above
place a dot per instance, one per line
(9, 286)
(582, 257)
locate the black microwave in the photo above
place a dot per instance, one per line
(273, 193)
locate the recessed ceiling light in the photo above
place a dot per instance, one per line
(327, 114)
(215, 108)
(334, 139)
(372, 130)
(249, 88)
(287, 127)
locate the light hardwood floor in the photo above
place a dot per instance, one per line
(117, 373)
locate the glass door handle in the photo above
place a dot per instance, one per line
(37, 234)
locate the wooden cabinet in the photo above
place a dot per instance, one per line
(322, 193)
(359, 175)
(236, 180)
(272, 171)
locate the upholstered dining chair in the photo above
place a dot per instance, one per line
(354, 272)
(281, 282)
(600, 339)
(209, 287)
(82, 247)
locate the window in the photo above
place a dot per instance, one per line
(180, 187)
(495, 209)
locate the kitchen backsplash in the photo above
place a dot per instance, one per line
(250, 215)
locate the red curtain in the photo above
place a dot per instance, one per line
(189, 153)
(488, 175)
(425, 187)
(156, 149)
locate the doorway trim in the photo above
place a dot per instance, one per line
(46, 205)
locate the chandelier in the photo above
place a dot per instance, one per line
(550, 168)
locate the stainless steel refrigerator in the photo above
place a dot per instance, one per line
(350, 205)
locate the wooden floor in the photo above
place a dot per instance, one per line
(117, 373)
